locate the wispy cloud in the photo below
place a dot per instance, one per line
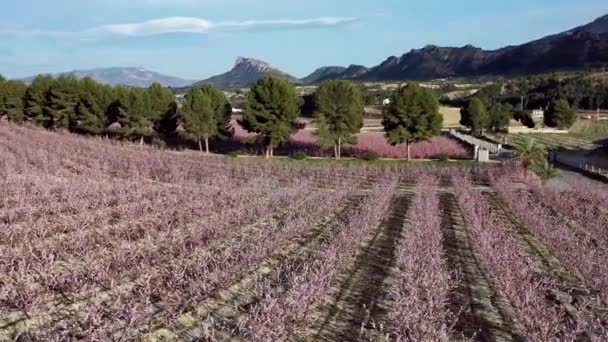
(182, 25)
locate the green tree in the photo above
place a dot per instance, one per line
(545, 171)
(34, 100)
(475, 116)
(412, 116)
(11, 99)
(135, 117)
(500, 115)
(162, 106)
(338, 114)
(61, 100)
(272, 111)
(206, 114)
(116, 111)
(88, 118)
(169, 120)
(560, 115)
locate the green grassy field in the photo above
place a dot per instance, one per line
(583, 135)
(569, 141)
(590, 129)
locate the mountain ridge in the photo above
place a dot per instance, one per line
(128, 76)
(582, 46)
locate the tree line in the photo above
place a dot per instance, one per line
(495, 105)
(273, 108)
(87, 107)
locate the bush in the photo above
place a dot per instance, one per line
(159, 143)
(299, 155)
(442, 157)
(370, 156)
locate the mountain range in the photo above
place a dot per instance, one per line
(582, 47)
(129, 76)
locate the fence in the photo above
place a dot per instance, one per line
(476, 142)
(578, 163)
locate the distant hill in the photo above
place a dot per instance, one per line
(245, 73)
(582, 47)
(129, 76)
(323, 74)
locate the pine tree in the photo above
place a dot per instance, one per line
(161, 101)
(34, 100)
(206, 114)
(11, 99)
(169, 120)
(338, 113)
(500, 115)
(61, 100)
(135, 116)
(560, 115)
(88, 118)
(475, 116)
(412, 116)
(272, 111)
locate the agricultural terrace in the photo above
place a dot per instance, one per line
(108, 241)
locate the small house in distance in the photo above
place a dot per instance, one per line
(531, 122)
(538, 117)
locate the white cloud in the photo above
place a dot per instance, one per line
(160, 26)
(183, 25)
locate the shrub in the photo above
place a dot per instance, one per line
(442, 157)
(299, 155)
(370, 156)
(159, 143)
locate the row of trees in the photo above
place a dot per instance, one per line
(272, 112)
(479, 115)
(88, 107)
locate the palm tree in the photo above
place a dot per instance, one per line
(545, 171)
(528, 154)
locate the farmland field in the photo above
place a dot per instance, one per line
(583, 135)
(105, 241)
(548, 140)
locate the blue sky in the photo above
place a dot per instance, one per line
(195, 39)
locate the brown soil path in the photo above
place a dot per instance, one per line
(361, 293)
(225, 311)
(572, 293)
(481, 313)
